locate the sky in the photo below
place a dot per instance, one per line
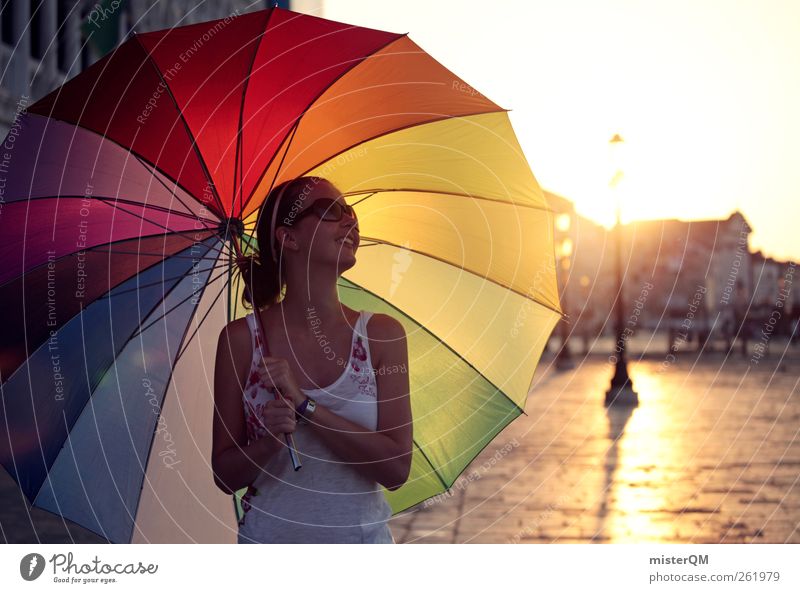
(703, 92)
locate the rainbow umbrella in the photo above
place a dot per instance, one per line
(127, 193)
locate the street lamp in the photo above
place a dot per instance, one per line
(563, 252)
(621, 392)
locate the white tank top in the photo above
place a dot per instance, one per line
(327, 500)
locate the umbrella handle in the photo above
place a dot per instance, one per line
(295, 457)
(293, 454)
(292, 451)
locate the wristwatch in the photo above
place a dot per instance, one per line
(304, 411)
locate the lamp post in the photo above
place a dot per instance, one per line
(621, 392)
(564, 251)
(587, 313)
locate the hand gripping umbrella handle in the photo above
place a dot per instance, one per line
(293, 454)
(295, 457)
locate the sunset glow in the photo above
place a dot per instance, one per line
(704, 95)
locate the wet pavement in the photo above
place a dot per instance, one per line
(711, 455)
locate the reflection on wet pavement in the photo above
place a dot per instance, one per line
(711, 455)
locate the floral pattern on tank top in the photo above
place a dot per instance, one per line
(253, 412)
(359, 365)
(253, 409)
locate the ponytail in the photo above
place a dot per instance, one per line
(262, 285)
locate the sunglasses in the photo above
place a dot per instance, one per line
(328, 209)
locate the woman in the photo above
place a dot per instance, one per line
(343, 398)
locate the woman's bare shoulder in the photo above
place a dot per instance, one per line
(234, 355)
(385, 332)
(236, 336)
(383, 326)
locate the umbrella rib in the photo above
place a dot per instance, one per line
(482, 449)
(105, 372)
(144, 465)
(310, 104)
(186, 128)
(96, 250)
(239, 157)
(440, 341)
(283, 158)
(125, 148)
(441, 117)
(464, 269)
(116, 251)
(69, 430)
(199, 323)
(63, 445)
(362, 244)
(114, 203)
(107, 295)
(178, 304)
(157, 282)
(443, 193)
(153, 171)
(433, 467)
(150, 312)
(107, 199)
(169, 230)
(446, 345)
(361, 200)
(166, 387)
(209, 234)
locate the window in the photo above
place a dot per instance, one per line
(7, 17)
(37, 43)
(61, 34)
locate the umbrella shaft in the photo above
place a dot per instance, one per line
(289, 439)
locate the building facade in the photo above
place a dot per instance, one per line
(46, 42)
(696, 281)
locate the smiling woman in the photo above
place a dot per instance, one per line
(352, 419)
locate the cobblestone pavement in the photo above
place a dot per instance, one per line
(20, 524)
(711, 455)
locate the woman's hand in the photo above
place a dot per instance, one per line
(278, 418)
(277, 374)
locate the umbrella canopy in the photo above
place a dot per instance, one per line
(123, 189)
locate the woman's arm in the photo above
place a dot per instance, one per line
(235, 463)
(383, 455)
